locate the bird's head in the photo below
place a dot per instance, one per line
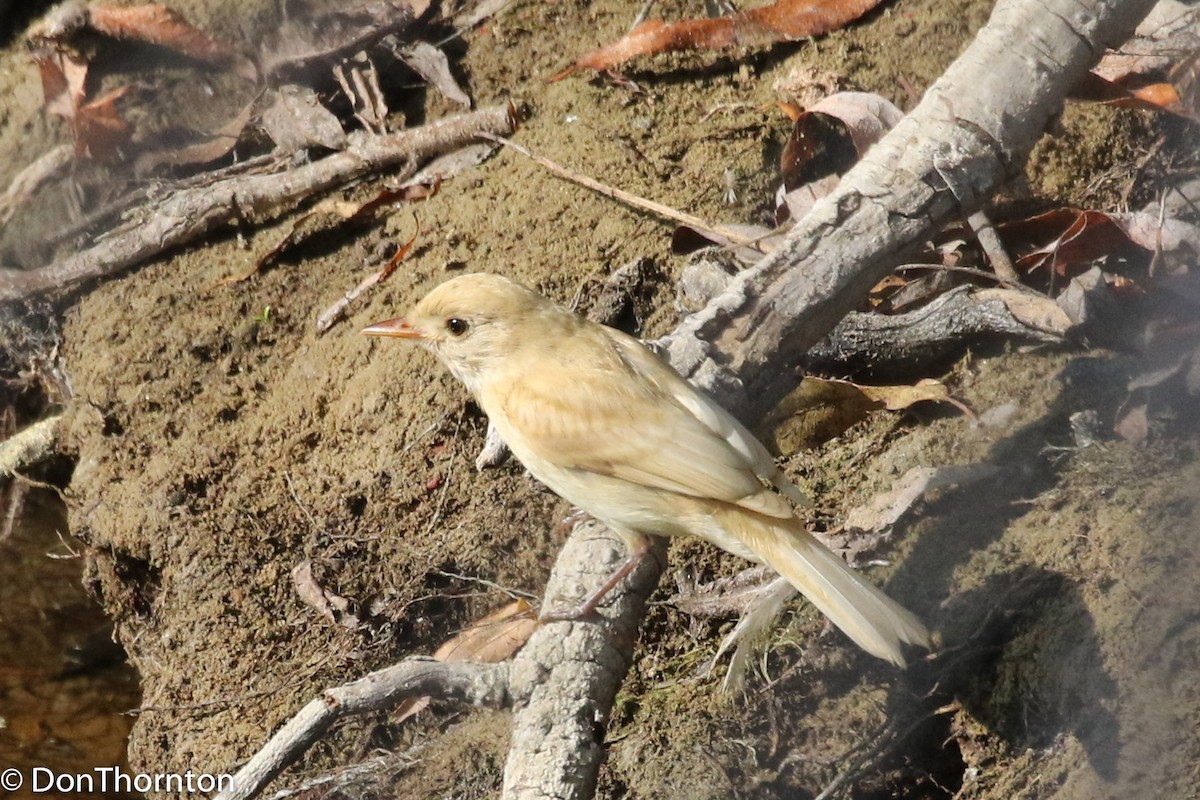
(469, 322)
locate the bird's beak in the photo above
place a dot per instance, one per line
(392, 327)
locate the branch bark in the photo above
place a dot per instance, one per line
(187, 215)
(484, 685)
(974, 128)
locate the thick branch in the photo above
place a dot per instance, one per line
(187, 215)
(564, 681)
(28, 446)
(484, 685)
(897, 342)
(974, 128)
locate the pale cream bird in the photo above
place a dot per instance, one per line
(610, 427)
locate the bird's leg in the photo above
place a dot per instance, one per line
(637, 550)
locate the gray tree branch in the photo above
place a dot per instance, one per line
(190, 213)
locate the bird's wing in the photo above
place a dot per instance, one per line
(709, 413)
(616, 416)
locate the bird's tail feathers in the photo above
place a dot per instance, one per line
(874, 621)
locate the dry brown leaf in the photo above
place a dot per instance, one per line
(296, 119)
(783, 20)
(1032, 310)
(493, 638)
(97, 128)
(898, 398)
(826, 140)
(204, 150)
(434, 68)
(822, 408)
(489, 640)
(1069, 240)
(158, 25)
(1072, 239)
(1160, 96)
(334, 607)
(867, 116)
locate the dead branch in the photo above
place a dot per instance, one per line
(563, 682)
(921, 337)
(191, 213)
(484, 685)
(975, 126)
(28, 446)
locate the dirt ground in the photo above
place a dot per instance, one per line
(218, 446)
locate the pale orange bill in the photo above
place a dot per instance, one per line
(392, 327)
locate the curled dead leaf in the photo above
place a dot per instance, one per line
(783, 20)
(822, 408)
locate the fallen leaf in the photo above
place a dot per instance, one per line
(783, 20)
(203, 150)
(97, 128)
(150, 23)
(826, 140)
(334, 607)
(158, 25)
(488, 640)
(296, 119)
(1068, 240)
(1034, 311)
(434, 68)
(686, 239)
(821, 408)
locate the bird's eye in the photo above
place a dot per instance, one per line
(456, 326)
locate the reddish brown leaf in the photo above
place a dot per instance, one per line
(783, 20)
(97, 128)
(1067, 239)
(100, 132)
(1124, 87)
(205, 149)
(1072, 238)
(825, 141)
(158, 25)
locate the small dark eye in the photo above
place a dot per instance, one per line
(456, 326)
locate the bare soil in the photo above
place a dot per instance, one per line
(218, 446)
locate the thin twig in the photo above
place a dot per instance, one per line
(483, 685)
(287, 477)
(993, 248)
(515, 594)
(734, 236)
